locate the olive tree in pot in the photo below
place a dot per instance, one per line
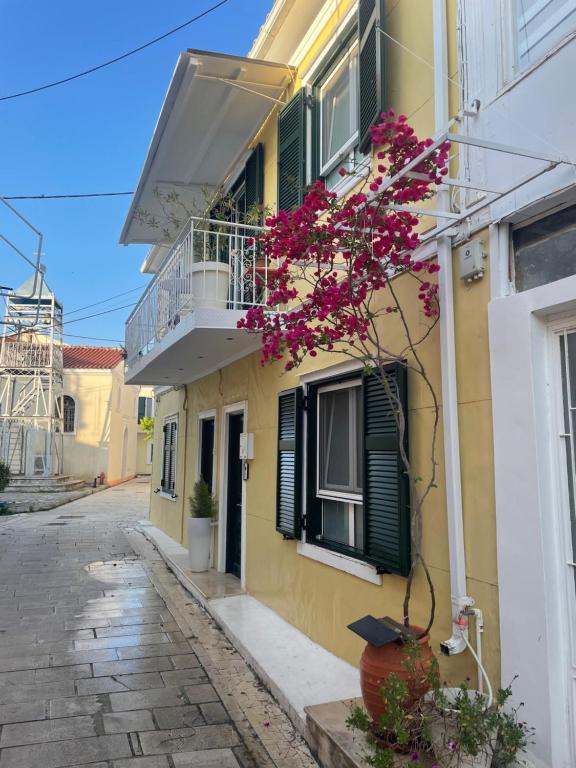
(203, 509)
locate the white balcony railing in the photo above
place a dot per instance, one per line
(212, 265)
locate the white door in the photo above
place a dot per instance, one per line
(565, 356)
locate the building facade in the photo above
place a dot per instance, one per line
(499, 528)
(99, 415)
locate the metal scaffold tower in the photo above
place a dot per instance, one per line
(31, 381)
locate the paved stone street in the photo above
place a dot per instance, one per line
(106, 661)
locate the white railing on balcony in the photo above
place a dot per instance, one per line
(213, 265)
(23, 354)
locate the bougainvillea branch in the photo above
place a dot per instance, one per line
(333, 264)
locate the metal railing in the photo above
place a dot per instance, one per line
(213, 265)
(21, 354)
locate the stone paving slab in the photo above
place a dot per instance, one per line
(106, 663)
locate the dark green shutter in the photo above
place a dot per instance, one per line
(371, 67)
(254, 177)
(165, 458)
(292, 152)
(289, 469)
(386, 490)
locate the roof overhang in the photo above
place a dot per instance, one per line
(214, 107)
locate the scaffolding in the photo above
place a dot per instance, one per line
(31, 381)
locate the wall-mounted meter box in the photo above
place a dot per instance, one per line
(472, 260)
(247, 446)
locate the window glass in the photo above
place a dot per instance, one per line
(545, 251)
(340, 440)
(568, 374)
(539, 25)
(335, 521)
(338, 111)
(69, 414)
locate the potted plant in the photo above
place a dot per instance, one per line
(203, 509)
(457, 727)
(4, 475)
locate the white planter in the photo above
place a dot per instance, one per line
(199, 535)
(210, 284)
(442, 734)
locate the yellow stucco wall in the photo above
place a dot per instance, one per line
(318, 599)
(105, 408)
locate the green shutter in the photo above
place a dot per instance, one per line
(289, 469)
(371, 63)
(254, 177)
(292, 152)
(386, 490)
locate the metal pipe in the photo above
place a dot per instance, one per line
(460, 599)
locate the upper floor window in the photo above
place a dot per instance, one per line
(338, 104)
(536, 26)
(69, 414)
(145, 407)
(545, 250)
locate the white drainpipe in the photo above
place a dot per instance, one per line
(460, 598)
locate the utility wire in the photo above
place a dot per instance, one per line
(91, 338)
(64, 197)
(97, 314)
(103, 301)
(117, 58)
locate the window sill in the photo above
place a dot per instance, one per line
(351, 180)
(340, 562)
(167, 496)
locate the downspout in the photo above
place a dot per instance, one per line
(460, 599)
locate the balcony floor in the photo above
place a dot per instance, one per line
(203, 341)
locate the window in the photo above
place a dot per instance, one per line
(168, 480)
(348, 457)
(69, 414)
(145, 407)
(568, 375)
(149, 452)
(338, 105)
(536, 26)
(545, 250)
(339, 456)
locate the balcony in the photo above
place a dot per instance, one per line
(184, 325)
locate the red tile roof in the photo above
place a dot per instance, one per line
(92, 357)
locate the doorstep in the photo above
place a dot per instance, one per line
(297, 671)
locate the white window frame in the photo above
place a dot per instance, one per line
(323, 493)
(511, 68)
(149, 452)
(349, 60)
(304, 548)
(173, 418)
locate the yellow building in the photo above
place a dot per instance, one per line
(297, 109)
(100, 415)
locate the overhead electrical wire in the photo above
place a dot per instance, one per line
(117, 58)
(64, 197)
(103, 301)
(97, 314)
(91, 338)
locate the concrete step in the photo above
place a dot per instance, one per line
(40, 480)
(31, 485)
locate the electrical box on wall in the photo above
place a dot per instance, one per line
(247, 446)
(472, 260)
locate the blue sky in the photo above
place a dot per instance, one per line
(91, 135)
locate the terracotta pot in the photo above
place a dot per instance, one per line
(377, 664)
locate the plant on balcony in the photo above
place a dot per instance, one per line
(340, 260)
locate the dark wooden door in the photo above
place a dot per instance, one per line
(234, 496)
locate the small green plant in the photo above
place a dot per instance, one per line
(459, 725)
(202, 502)
(147, 426)
(4, 475)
